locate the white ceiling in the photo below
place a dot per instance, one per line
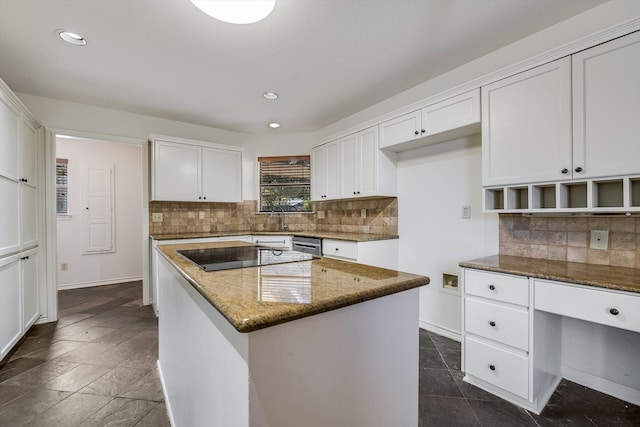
(326, 58)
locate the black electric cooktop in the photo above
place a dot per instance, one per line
(216, 259)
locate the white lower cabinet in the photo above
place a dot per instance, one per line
(522, 335)
(498, 352)
(378, 253)
(19, 307)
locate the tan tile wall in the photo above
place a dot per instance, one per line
(567, 239)
(343, 216)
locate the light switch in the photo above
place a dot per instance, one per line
(156, 217)
(201, 215)
(599, 239)
(466, 212)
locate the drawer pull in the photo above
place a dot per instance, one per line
(492, 323)
(614, 311)
(491, 287)
(492, 367)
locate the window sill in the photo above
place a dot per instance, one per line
(64, 217)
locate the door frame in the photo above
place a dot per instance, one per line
(48, 200)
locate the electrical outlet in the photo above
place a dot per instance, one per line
(64, 266)
(363, 213)
(156, 217)
(466, 212)
(201, 215)
(599, 239)
(320, 214)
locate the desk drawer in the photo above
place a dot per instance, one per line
(501, 368)
(585, 303)
(507, 325)
(500, 287)
(340, 249)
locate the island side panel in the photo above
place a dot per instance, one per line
(355, 366)
(202, 358)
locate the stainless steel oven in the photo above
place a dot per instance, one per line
(309, 245)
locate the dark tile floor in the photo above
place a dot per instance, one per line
(97, 366)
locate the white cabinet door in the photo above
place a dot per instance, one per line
(319, 171)
(221, 175)
(401, 129)
(9, 138)
(9, 215)
(10, 307)
(526, 126)
(456, 112)
(333, 170)
(177, 172)
(349, 169)
(606, 109)
(368, 155)
(29, 139)
(29, 215)
(29, 281)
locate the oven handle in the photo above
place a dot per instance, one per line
(306, 245)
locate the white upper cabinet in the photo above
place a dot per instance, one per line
(18, 176)
(452, 118)
(325, 172)
(221, 175)
(196, 172)
(526, 126)
(351, 167)
(606, 109)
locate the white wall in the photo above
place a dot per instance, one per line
(434, 183)
(125, 263)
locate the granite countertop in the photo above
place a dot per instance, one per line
(354, 237)
(601, 276)
(258, 297)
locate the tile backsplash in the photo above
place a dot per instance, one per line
(567, 238)
(381, 217)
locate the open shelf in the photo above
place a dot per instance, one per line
(544, 196)
(494, 199)
(635, 192)
(518, 198)
(573, 195)
(608, 194)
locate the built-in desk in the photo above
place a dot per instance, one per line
(528, 323)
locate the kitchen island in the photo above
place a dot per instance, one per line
(313, 343)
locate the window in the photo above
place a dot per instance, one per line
(285, 184)
(62, 193)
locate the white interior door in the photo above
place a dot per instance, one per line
(99, 210)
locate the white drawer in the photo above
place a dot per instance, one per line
(507, 325)
(340, 249)
(589, 304)
(501, 368)
(500, 287)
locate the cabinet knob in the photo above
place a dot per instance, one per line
(492, 367)
(491, 287)
(354, 192)
(578, 169)
(337, 249)
(205, 198)
(492, 323)
(565, 171)
(199, 197)
(614, 311)
(422, 130)
(417, 133)
(25, 257)
(357, 192)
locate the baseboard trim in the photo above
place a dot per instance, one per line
(99, 283)
(605, 386)
(440, 330)
(166, 396)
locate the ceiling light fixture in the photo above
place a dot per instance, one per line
(236, 11)
(72, 38)
(270, 96)
(274, 125)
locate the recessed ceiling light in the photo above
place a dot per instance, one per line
(72, 38)
(236, 11)
(274, 125)
(270, 95)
